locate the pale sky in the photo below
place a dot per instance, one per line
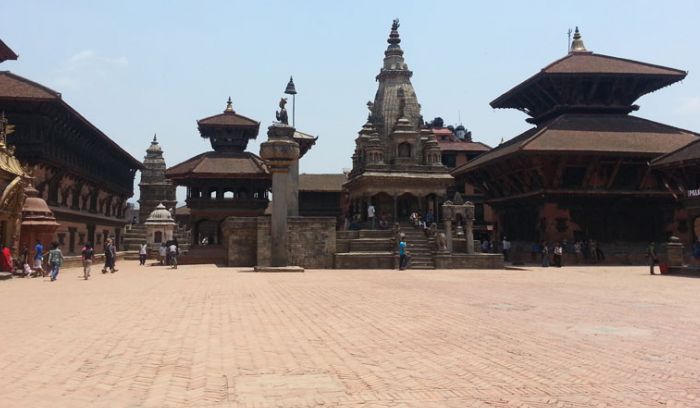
(135, 68)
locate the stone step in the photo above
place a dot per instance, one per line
(371, 245)
(375, 234)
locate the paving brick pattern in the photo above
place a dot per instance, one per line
(203, 336)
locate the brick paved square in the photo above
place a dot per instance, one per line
(204, 336)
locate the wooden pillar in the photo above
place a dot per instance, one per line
(396, 207)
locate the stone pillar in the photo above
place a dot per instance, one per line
(448, 234)
(293, 190)
(279, 151)
(278, 228)
(396, 208)
(469, 226)
(448, 214)
(469, 234)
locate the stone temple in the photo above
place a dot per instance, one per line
(154, 187)
(397, 163)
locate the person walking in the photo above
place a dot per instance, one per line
(402, 252)
(173, 252)
(143, 253)
(506, 249)
(110, 255)
(545, 255)
(653, 259)
(88, 258)
(162, 253)
(558, 253)
(39, 257)
(55, 260)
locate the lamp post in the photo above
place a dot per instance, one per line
(292, 90)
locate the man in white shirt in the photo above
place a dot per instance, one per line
(172, 250)
(506, 249)
(370, 214)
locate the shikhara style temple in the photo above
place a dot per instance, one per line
(154, 188)
(582, 172)
(396, 165)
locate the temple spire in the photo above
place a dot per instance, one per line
(155, 140)
(394, 38)
(577, 43)
(229, 105)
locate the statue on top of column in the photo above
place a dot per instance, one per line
(281, 115)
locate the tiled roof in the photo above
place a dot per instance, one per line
(15, 86)
(604, 64)
(6, 53)
(687, 153)
(222, 165)
(322, 182)
(596, 65)
(590, 133)
(228, 118)
(463, 146)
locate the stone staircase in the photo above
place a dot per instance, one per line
(133, 237)
(365, 249)
(420, 247)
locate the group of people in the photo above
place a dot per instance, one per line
(584, 251)
(167, 253)
(54, 259)
(551, 254)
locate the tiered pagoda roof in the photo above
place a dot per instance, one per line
(583, 81)
(580, 104)
(228, 133)
(220, 165)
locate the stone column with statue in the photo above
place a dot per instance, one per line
(279, 152)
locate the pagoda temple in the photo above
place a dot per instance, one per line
(154, 188)
(397, 162)
(227, 181)
(582, 172)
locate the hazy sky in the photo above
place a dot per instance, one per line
(135, 68)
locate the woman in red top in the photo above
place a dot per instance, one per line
(6, 259)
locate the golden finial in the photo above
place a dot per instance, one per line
(577, 43)
(229, 105)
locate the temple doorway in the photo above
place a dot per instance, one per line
(407, 203)
(207, 232)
